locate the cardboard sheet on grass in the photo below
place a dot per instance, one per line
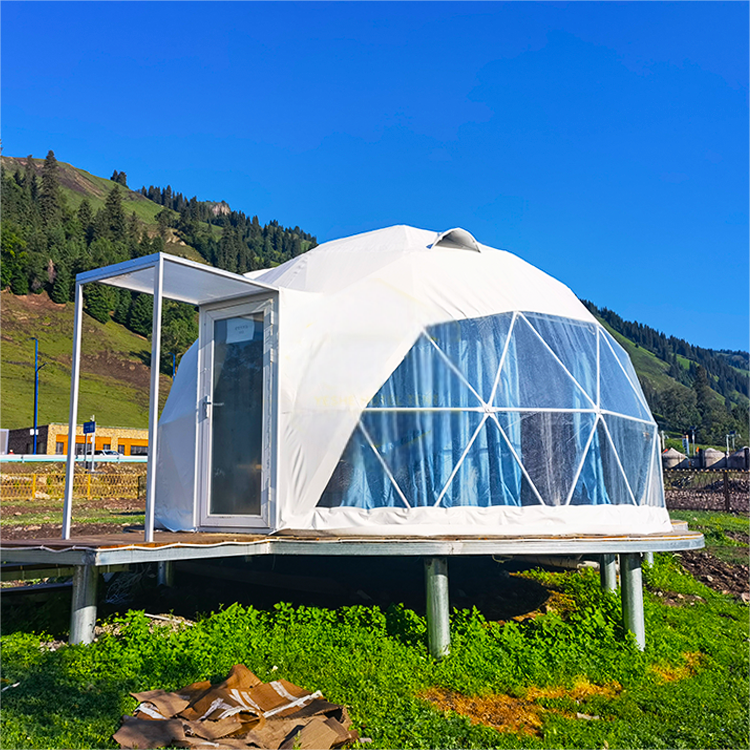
(241, 712)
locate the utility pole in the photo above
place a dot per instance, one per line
(37, 367)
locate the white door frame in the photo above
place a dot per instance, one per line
(267, 304)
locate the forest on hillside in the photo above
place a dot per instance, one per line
(244, 245)
(45, 244)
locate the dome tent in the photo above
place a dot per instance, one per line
(411, 383)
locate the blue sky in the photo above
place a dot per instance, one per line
(606, 143)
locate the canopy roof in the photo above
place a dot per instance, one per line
(184, 280)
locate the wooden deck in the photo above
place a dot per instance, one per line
(89, 554)
(129, 547)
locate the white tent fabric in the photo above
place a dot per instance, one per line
(354, 316)
(177, 455)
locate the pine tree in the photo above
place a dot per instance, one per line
(157, 245)
(19, 281)
(122, 308)
(12, 254)
(702, 390)
(30, 183)
(133, 227)
(163, 218)
(85, 217)
(144, 246)
(61, 288)
(140, 319)
(96, 302)
(29, 173)
(50, 203)
(114, 222)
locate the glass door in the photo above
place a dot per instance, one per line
(236, 419)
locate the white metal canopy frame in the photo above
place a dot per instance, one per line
(165, 277)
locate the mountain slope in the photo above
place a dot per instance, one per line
(114, 382)
(672, 382)
(77, 184)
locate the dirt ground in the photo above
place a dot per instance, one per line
(122, 511)
(54, 530)
(717, 574)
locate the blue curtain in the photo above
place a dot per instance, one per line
(445, 439)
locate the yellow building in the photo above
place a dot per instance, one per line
(53, 439)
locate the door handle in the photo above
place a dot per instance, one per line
(207, 403)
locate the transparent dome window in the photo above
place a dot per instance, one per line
(507, 410)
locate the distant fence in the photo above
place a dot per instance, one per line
(85, 486)
(704, 489)
(52, 458)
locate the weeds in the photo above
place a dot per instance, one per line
(576, 672)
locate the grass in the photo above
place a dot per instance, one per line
(84, 512)
(646, 363)
(687, 690)
(726, 535)
(114, 380)
(77, 184)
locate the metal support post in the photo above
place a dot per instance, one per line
(165, 573)
(438, 620)
(83, 610)
(36, 392)
(73, 417)
(648, 559)
(608, 572)
(632, 596)
(153, 412)
(727, 493)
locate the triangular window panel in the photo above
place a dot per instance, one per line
(634, 442)
(655, 491)
(617, 392)
(359, 479)
(574, 342)
(424, 380)
(421, 448)
(624, 360)
(601, 481)
(550, 446)
(489, 475)
(475, 347)
(531, 376)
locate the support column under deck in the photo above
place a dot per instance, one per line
(83, 609)
(608, 572)
(632, 596)
(438, 616)
(165, 573)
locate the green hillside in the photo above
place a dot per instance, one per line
(647, 365)
(114, 382)
(59, 220)
(77, 184)
(701, 388)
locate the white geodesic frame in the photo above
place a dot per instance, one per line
(490, 411)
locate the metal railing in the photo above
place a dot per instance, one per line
(51, 486)
(707, 489)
